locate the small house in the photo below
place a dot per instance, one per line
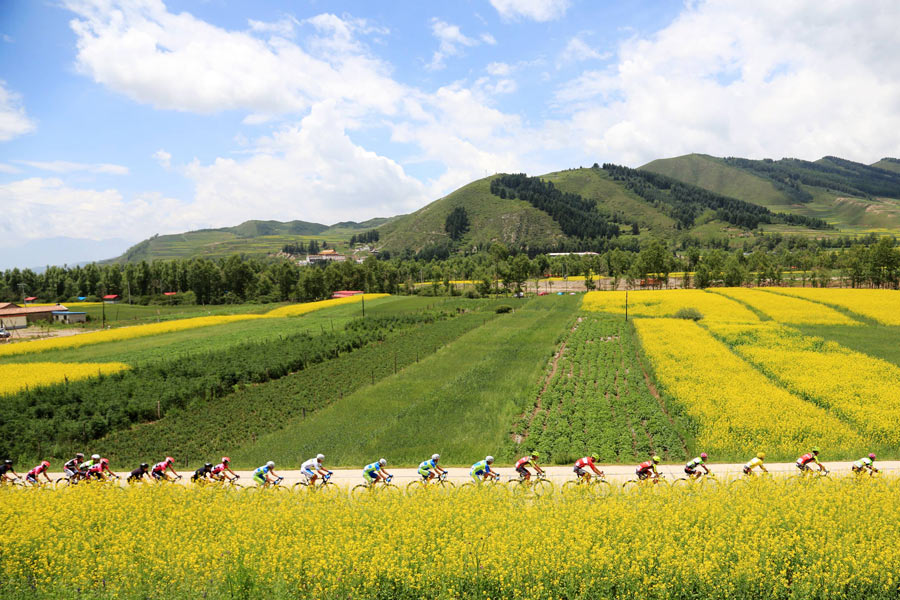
(346, 293)
(68, 317)
(111, 298)
(20, 317)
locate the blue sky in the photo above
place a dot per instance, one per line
(119, 120)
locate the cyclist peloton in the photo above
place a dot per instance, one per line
(865, 463)
(221, 470)
(98, 470)
(86, 465)
(587, 461)
(810, 457)
(757, 461)
(647, 469)
(41, 469)
(5, 469)
(481, 470)
(375, 471)
(159, 469)
(72, 467)
(138, 474)
(696, 463)
(261, 474)
(428, 468)
(312, 468)
(202, 473)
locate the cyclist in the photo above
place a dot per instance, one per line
(219, 472)
(756, 462)
(98, 470)
(810, 457)
(159, 469)
(313, 468)
(202, 473)
(41, 469)
(696, 463)
(5, 469)
(261, 474)
(523, 462)
(138, 474)
(482, 470)
(647, 469)
(72, 467)
(428, 468)
(587, 461)
(375, 471)
(864, 463)
(86, 465)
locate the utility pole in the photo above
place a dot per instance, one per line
(364, 305)
(626, 304)
(22, 289)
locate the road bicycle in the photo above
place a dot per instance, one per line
(596, 485)
(378, 486)
(491, 482)
(322, 484)
(439, 482)
(274, 485)
(229, 483)
(68, 480)
(647, 483)
(538, 484)
(699, 478)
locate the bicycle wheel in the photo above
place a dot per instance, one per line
(601, 488)
(415, 486)
(360, 491)
(446, 485)
(390, 489)
(62, 482)
(632, 485)
(542, 487)
(682, 482)
(573, 486)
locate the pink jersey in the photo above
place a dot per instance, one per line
(806, 458)
(218, 468)
(98, 468)
(37, 470)
(584, 461)
(523, 461)
(646, 465)
(160, 466)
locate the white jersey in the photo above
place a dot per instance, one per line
(312, 464)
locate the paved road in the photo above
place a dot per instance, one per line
(620, 473)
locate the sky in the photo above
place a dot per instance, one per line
(124, 119)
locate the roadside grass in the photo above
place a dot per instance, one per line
(460, 402)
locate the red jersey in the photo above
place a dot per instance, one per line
(806, 458)
(218, 468)
(37, 470)
(160, 466)
(584, 461)
(647, 465)
(98, 468)
(523, 461)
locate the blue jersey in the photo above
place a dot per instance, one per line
(263, 470)
(480, 468)
(374, 467)
(427, 465)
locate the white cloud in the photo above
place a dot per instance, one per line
(13, 120)
(5, 168)
(498, 68)
(577, 50)
(452, 41)
(762, 79)
(163, 158)
(63, 166)
(536, 10)
(40, 208)
(283, 27)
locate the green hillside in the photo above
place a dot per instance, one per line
(853, 197)
(491, 219)
(888, 164)
(253, 238)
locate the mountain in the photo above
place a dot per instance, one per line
(59, 251)
(252, 238)
(853, 197)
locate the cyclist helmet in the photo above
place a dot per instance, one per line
(595, 457)
(435, 457)
(7, 462)
(145, 466)
(170, 460)
(872, 456)
(270, 464)
(79, 455)
(320, 457)
(703, 455)
(45, 463)
(656, 459)
(382, 462)
(104, 461)
(207, 466)
(226, 460)
(488, 459)
(761, 455)
(95, 457)
(815, 450)
(535, 455)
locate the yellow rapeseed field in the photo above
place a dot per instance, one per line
(126, 333)
(14, 377)
(785, 309)
(761, 539)
(855, 386)
(665, 303)
(736, 406)
(880, 305)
